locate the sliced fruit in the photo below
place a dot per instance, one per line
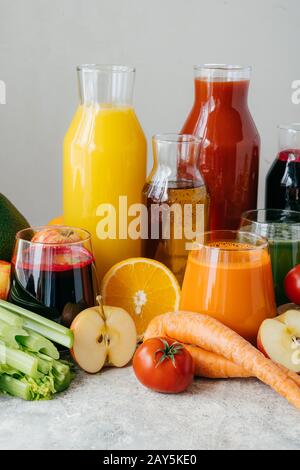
(56, 236)
(279, 339)
(122, 336)
(5, 271)
(89, 349)
(103, 336)
(145, 288)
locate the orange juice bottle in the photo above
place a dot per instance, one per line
(229, 277)
(104, 159)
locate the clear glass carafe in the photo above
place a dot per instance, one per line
(104, 159)
(229, 159)
(177, 201)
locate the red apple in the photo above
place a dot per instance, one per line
(5, 271)
(279, 340)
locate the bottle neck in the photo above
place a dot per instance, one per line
(176, 159)
(222, 85)
(233, 94)
(289, 139)
(106, 85)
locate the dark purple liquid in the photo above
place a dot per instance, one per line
(56, 291)
(283, 182)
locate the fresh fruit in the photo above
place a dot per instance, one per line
(54, 236)
(286, 307)
(163, 365)
(11, 222)
(5, 271)
(279, 340)
(103, 335)
(145, 288)
(292, 285)
(57, 221)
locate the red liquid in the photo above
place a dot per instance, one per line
(229, 159)
(283, 182)
(56, 282)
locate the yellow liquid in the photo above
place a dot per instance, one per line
(105, 155)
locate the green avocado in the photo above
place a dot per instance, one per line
(11, 221)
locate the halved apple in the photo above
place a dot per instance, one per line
(103, 336)
(279, 340)
(5, 270)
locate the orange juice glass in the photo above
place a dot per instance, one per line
(229, 277)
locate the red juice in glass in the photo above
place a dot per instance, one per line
(229, 159)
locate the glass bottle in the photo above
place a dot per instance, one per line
(283, 179)
(177, 201)
(229, 159)
(104, 159)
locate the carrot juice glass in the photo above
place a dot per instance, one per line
(229, 277)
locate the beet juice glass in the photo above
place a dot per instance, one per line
(229, 160)
(54, 272)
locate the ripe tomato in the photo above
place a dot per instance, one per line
(163, 365)
(292, 285)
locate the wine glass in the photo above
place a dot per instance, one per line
(54, 272)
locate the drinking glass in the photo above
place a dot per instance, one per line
(282, 229)
(55, 278)
(229, 277)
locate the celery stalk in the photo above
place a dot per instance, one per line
(9, 333)
(37, 343)
(15, 387)
(51, 330)
(10, 318)
(44, 365)
(20, 361)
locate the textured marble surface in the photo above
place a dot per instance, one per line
(113, 411)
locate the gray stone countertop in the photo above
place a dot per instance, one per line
(112, 411)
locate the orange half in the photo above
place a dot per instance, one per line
(143, 287)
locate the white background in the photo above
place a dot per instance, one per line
(41, 42)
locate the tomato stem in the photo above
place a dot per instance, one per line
(168, 352)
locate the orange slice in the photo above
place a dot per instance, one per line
(143, 287)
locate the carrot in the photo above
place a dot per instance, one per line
(292, 375)
(211, 335)
(207, 364)
(214, 366)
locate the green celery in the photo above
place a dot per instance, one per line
(37, 343)
(19, 360)
(44, 365)
(62, 380)
(11, 318)
(9, 333)
(15, 387)
(47, 328)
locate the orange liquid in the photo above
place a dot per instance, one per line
(233, 284)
